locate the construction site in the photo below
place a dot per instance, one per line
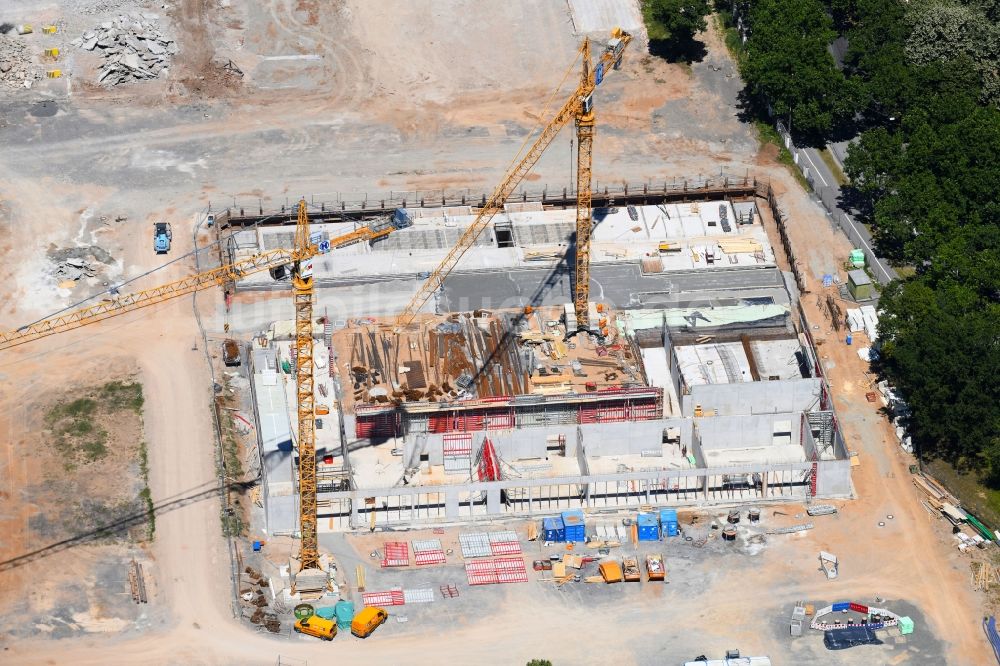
(692, 384)
(459, 389)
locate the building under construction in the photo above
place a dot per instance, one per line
(695, 382)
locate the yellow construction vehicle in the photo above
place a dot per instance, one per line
(578, 107)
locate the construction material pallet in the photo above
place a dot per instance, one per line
(505, 543)
(482, 544)
(397, 554)
(475, 544)
(449, 591)
(393, 597)
(398, 597)
(500, 570)
(428, 551)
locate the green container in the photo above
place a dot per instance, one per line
(905, 625)
(302, 611)
(858, 258)
(286, 367)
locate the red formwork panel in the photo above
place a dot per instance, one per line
(429, 557)
(437, 423)
(472, 421)
(397, 554)
(481, 572)
(511, 570)
(377, 425)
(500, 419)
(364, 427)
(377, 598)
(387, 425)
(505, 547)
(457, 444)
(642, 411)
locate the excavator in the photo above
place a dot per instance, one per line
(579, 108)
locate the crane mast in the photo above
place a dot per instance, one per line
(302, 285)
(579, 106)
(584, 220)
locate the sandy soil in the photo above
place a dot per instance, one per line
(912, 556)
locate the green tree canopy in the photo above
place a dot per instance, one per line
(673, 24)
(789, 67)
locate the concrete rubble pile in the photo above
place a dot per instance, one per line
(73, 269)
(16, 68)
(133, 46)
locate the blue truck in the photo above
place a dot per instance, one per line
(162, 237)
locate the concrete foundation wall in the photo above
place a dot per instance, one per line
(752, 431)
(483, 501)
(834, 479)
(601, 439)
(788, 395)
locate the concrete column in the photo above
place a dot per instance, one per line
(493, 501)
(355, 514)
(451, 503)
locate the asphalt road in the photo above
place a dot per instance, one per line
(824, 178)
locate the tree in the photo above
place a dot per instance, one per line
(789, 69)
(539, 662)
(672, 26)
(941, 348)
(944, 31)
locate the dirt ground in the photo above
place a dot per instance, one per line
(343, 98)
(76, 507)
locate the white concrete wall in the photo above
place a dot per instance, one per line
(789, 395)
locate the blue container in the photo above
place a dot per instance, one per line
(327, 613)
(669, 526)
(850, 338)
(256, 546)
(344, 611)
(648, 528)
(553, 529)
(842, 606)
(573, 522)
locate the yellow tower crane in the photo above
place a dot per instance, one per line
(579, 107)
(300, 257)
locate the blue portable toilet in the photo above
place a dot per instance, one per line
(668, 522)
(648, 528)
(573, 522)
(553, 529)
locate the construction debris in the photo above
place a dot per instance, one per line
(133, 46)
(821, 510)
(137, 583)
(828, 562)
(73, 268)
(16, 67)
(792, 529)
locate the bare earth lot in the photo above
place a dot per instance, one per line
(359, 96)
